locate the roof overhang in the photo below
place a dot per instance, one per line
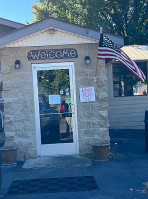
(57, 24)
(11, 24)
(137, 52)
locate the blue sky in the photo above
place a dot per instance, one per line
(17, 10)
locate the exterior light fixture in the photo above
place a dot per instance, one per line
(17, 64)
(87, 60)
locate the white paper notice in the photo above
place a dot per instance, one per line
(87, 94)
(54, 99)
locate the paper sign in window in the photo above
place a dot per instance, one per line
(67, 100)
(54, 99)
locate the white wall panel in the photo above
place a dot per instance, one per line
(51, 37)
(125, 112)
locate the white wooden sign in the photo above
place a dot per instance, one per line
(87, 94)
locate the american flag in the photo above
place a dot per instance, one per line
(108, 50)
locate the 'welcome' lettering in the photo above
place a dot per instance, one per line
(52, 54)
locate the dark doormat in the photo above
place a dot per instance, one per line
(53, 185)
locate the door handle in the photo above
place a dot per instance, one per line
(55, 113)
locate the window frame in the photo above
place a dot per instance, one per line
(138, 62)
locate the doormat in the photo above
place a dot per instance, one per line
(53, 185)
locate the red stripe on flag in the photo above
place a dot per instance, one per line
(108, 53)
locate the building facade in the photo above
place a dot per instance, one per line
(55, 101)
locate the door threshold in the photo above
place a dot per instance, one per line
(59, 161)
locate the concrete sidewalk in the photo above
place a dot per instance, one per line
(121, 177)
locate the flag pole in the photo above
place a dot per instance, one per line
(101, 32)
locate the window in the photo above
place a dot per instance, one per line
(125, 83)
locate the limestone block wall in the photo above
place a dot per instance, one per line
(92, 116)
(18, 102)
(19, 99)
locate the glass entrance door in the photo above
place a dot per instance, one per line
(56, 109)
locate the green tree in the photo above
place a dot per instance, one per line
(127, 18)
(66, 10)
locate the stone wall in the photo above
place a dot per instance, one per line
(19, 99)
(18, 102)
(92, 116)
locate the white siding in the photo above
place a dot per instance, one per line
(125, 112)
(51, 37)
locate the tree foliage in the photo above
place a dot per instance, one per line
(66, 10)
(53, 81)
(127, 18)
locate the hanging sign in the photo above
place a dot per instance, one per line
(87, 94)
(47, 54)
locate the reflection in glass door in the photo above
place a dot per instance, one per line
(56, 110)
(55, 106)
